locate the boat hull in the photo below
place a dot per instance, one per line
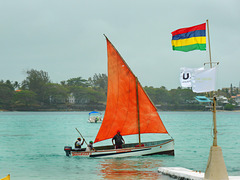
(165, 147)
(95, 119)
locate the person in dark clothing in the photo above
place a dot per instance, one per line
(119, 141)
(78, 143)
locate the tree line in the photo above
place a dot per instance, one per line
(37, 92)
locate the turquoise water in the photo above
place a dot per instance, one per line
(31, 146)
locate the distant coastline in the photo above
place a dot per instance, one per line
(77, 110)
(38, 93)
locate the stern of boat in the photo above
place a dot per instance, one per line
(68, 150)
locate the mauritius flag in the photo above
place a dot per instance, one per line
(191, 38)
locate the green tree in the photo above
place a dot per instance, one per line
(229, 107)
(158, 95)
(36, 81)
(84, 95)
(16, 85)
(99, 81)
(182, 96)
(56, 93)
(6, 94)
(163, 95)
(151, 93)
(25, 98)
(77, 82)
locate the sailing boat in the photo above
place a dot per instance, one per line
(128, 110)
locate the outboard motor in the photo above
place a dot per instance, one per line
(68, 149)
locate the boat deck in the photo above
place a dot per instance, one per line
(186, 174)
(132, 145)
(132, 149)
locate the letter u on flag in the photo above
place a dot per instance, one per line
(200, 79)
(191, 38)
(187, 74)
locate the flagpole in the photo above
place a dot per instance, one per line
(216, 168)
(214, 97)
(209, 48)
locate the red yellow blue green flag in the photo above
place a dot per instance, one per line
(189, 39)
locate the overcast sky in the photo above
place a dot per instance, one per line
(65, 38)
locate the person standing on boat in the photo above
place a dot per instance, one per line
(119, 141)
(78, 143)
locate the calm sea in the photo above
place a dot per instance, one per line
(31, 146)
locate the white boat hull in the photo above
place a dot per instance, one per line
(94, 119)
(166, 147)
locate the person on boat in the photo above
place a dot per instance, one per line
(78, 143)
(96, 119)
(90, 146)
(119, 141)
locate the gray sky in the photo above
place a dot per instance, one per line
(65, 38)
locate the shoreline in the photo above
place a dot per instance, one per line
(55, 110)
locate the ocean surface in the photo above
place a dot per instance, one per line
(32, 143)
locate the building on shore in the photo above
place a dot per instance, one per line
(236, 99)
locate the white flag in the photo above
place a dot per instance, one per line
(186, 75)
(204, 81)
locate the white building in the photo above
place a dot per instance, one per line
(236, 99)
(71, 99)
(222, 99)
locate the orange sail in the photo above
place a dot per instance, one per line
(127, 102)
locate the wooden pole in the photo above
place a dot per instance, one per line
(138, 117)
(209, 45)
(214, 122)
(81, 136)
(216, 168)
(214, 98)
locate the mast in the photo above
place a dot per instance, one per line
(138, 116)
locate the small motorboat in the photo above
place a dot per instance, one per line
(95, 117)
